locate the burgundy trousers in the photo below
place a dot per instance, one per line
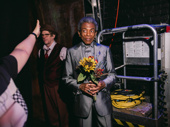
(56, 109)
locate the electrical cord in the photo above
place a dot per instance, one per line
(126, 101)
(117, 13)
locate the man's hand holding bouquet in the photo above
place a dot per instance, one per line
(88, 71)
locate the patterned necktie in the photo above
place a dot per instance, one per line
(46, 53)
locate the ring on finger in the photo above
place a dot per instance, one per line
(88, 90)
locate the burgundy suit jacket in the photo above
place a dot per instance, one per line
(50, 71)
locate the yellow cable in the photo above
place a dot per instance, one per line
(122, 101)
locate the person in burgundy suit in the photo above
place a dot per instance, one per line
(51, 58)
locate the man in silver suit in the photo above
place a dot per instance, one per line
(83, 110)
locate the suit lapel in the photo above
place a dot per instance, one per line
(55, 51)
(78, 54)
(99, 54)
(97, 51)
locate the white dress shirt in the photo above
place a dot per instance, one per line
(62, 54)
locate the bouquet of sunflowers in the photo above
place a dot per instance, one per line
(87, 70)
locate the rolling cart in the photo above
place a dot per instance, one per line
(137, 51)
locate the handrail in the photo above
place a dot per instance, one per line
(135, 78)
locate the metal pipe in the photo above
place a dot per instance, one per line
(94, 6)
(155, 73)
(100, 17)
(135, 78)
(120, 67)
(124, 61)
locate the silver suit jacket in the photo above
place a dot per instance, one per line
(79, 102)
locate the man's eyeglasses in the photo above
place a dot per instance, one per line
(45, 35)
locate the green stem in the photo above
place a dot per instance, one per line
(94, 98)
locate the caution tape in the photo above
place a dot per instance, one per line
(126, 123)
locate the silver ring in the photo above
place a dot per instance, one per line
(88, 90)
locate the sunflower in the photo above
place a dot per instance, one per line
(89, 64)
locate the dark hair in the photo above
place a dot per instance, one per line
(88, 20)
(49, 28)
